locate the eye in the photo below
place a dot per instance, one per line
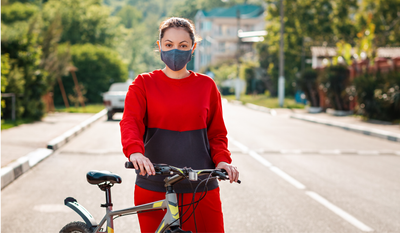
(169, 45)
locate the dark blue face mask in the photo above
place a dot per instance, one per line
(176, 59)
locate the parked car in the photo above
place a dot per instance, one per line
(114, 99)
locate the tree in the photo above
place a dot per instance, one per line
(325, 22)
(130, 16)
(98, 67)
(385, 15)
(21, 42)
(84, 21)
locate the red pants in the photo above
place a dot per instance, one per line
(208, 213)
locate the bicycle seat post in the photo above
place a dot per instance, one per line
(108, 205)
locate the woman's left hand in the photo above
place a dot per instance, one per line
(233, 172)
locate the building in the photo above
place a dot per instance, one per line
(322, 56)
(218, 29)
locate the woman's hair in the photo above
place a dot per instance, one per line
(175, 22)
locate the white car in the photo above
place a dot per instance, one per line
(114, 99)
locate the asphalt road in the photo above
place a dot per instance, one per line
(308, 189)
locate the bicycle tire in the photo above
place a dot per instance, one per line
(75, 227)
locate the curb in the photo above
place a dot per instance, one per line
(355, 128)
(12, 171)
(253, 106)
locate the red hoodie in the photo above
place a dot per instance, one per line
(174, 121)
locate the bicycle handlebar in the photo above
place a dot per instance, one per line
(164, 169)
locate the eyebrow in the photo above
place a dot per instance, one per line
(179, 42)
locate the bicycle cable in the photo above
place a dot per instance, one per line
(194, 203)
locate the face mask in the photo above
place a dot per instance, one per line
(176, 59)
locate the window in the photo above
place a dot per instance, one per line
(221, 46)
(206, 26)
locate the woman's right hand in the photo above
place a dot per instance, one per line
(142, 163)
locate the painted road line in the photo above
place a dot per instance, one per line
(343, 214)
(266, 163)
(288, 178)
(260, 159)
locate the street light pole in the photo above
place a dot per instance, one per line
(281, 81)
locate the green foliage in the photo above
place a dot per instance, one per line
(90, 108)
(322, 22)
(7, 124)
(248, 72)
(384, 14)
(84, 21)
(224, 71)
(17, 12)
(56, 59)
(337, 86)
(98, 67)
(309, 84)
(26, 79)
(5, 70)
(130, 16)
(378, 95)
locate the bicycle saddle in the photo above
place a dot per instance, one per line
(97, 177)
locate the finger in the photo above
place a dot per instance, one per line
(147, 166)
(142, 169)
(153, 171)
(236, 174)
(229, 170)
(135, 165)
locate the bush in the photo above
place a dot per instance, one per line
(378, 95)
(17, 12)
(25, 78)
(308, 83)
(98, 67)
(337, 86)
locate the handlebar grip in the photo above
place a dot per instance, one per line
(129, 164)
(226, 173)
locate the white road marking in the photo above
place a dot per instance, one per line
(260, 159)
(266, 163)
(343, 214)
(288, 178)
(346, 216)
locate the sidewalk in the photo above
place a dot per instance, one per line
(24, 146)
(356, 124)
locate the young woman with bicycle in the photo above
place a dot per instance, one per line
(174, 116)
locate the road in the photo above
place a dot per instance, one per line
(305, 187)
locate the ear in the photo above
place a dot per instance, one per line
(194, 47)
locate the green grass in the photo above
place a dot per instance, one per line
(7, 124)
(266, 101)
(90, 108)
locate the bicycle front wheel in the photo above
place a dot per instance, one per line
(75, 227)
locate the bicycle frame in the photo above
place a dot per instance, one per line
(171, 218)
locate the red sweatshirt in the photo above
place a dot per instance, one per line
(174, 121)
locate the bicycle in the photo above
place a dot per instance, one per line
(171, 221)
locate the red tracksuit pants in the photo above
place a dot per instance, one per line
(208, 213)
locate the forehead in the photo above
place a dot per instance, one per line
(176, 35)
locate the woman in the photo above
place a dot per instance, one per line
(174, 116)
